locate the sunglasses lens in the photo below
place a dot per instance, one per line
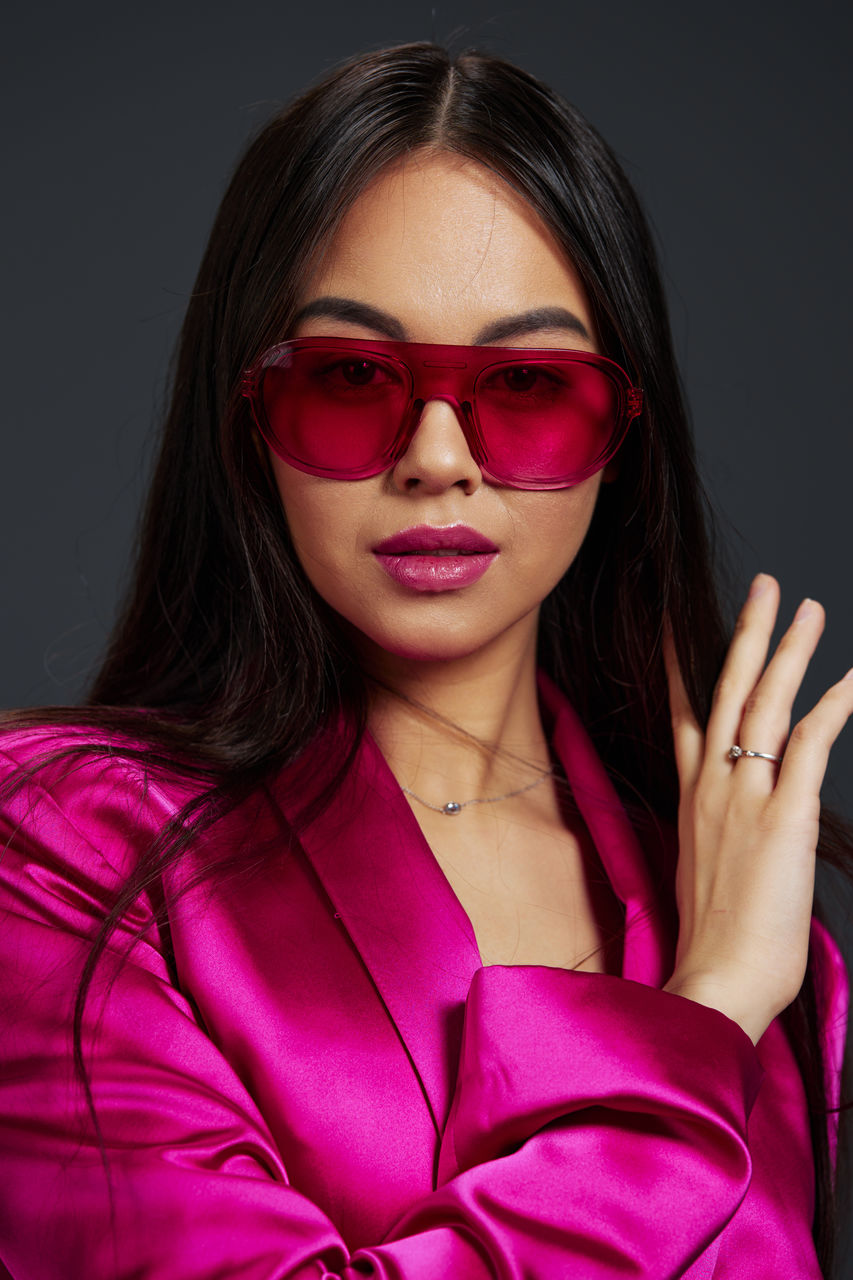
(548, 423)
(544, 420)
(333, 412)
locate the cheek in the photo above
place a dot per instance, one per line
(551, 529)
(323, 517)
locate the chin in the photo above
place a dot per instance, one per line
(421, 644)
(425, 648)
(436, 629)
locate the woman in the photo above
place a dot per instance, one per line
(358, 871)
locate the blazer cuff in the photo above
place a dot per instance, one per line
(542, 1044)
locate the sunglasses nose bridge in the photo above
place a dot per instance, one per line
(440, 379)
(452, 383)
(464, 416)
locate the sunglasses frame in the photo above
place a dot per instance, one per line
(440, 371)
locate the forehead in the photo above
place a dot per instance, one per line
(442, 238)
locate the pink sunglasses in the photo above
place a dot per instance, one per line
(348, 408)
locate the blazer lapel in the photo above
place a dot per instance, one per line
(409, 928)
(648, 932)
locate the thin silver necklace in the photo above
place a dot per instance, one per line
(452, 807)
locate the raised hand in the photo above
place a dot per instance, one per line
(748, 828)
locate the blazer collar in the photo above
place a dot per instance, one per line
(405, 921)
(648, 927)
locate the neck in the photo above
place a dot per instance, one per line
(464, 728)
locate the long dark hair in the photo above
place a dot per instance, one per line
(222, 640)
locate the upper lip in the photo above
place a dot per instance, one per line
(425, 538)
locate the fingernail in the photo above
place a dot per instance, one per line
(759, 584)
(805, 609)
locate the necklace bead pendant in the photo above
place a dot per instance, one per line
(452, 807)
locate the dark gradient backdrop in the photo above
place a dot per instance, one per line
(124, 122)
(733, 120)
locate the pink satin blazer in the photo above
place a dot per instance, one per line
(328, 1083)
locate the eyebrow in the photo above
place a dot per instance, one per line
(531, 322)
(525, 322)
(354, 312)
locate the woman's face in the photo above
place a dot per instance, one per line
(439, 250)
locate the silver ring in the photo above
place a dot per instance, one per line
(736, 752)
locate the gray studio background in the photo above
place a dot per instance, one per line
(124, 122)
(733, 120)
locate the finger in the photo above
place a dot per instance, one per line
(743, 666)
(767, 715)
(806, 756)
(687, 736)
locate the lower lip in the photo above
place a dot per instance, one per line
(436, 573)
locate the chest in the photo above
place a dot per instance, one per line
(535, 894)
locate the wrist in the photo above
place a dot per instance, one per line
(726, 996)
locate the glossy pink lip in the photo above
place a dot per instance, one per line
(410, 558)
(423, 538)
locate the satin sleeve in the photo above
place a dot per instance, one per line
(598, 1128)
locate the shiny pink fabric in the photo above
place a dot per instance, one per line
(330, 1083)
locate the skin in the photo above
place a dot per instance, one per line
(748, 829)
(443, 252)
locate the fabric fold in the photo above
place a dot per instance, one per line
(272, 1073)
(540, 1044)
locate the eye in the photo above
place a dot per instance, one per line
(520, 377)
(359, 373)
(355, 374)
(520, 387)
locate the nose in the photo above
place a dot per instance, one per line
(438, 456)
